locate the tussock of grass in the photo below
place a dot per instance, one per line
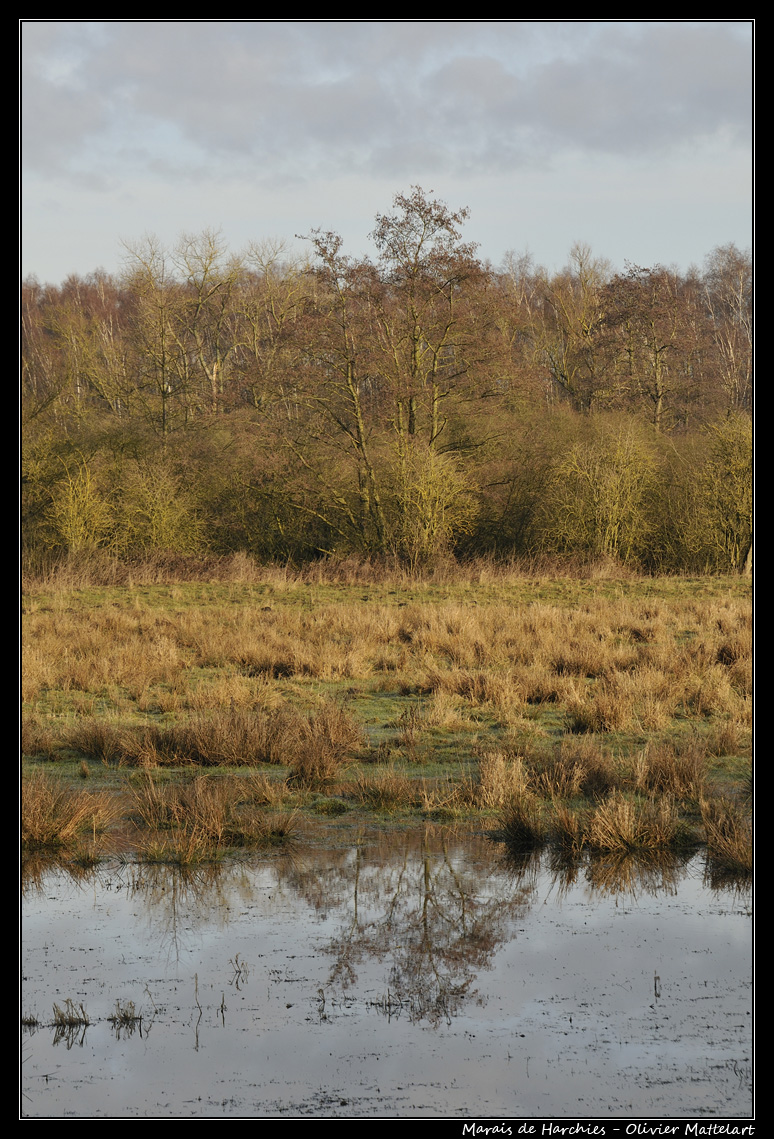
(55, 815)
(626, 824)
(225, 737)
(443, 798)
(185, 848)
(391, 791)
(521, 826)
(323, 745)
(728, 831)
(729, 737)
(98, 739)
(674, 769)
(501, 778)
(609, 709)
(599, 774)
(256, 829)
(38, 739)
(257, 788)
(569, 829)
(206, 816)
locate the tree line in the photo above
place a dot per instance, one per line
(412, 405)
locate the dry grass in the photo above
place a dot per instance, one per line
(184, 848)
(599, 774)
(569, 829)
(501, 778)
(673, 769)
(323, 745)
(626, 824)
(207, 677)
(55, 815)
(729, 737)
(39, 739)
(101, 740)
(385, 793)
(609, 709)
(125, 1016)
(206, 816)
(728, 829)
(521, 825)
(71, 1016)
(225, 737)
(442, 798)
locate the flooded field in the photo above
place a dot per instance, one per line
(417, 974)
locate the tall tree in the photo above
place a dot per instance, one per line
(425, 345)
(646, 316)
(207, 316)
(728, 291)
(567, 329)
(161, 362)
(336, 346)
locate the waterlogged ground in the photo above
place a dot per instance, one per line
(415, 974)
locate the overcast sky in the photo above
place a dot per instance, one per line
(634, 137)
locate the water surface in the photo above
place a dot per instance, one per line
(394, 976)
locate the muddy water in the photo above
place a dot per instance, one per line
(393, 977)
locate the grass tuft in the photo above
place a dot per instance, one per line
(521, 824)
(55, 815)
(621, 823)
(324, 744)
(728, 830)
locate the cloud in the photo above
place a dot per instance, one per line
(632, 135)
(310, 97)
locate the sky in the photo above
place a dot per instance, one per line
(634, 137)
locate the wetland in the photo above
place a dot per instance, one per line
(415, 974)
(300, 845)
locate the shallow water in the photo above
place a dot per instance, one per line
(396, 976)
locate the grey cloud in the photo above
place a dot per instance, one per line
(316, 96)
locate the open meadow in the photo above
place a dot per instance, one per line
(185, 720)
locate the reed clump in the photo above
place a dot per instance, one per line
(71, 1016)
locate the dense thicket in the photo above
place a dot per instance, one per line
(414, 405)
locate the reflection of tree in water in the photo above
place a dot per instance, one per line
(420, 902)
(173, 893)
(431, 905)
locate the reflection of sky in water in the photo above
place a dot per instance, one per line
(458, 981)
